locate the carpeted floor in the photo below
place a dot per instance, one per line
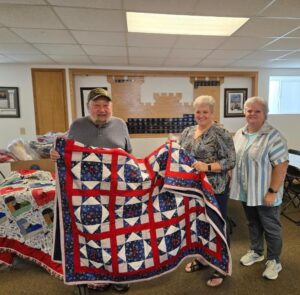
(26, 278)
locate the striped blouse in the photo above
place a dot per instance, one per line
(255, 158)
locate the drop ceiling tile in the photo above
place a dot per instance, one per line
(7, 36)
(60, 49)
(266, 54)
(105, 50)
(182, 62)
(267, 27)
(283, 63)
(100, 38)
(150, 40)
(147, 52)
(71, 59)
(145, 61)
(5, 59)
(244, 8)
(92, 19)
(31, 58)
(286, 8)
(199, 42)
(245, 43)
(216, 62)
(29, 2)
(295, 33)
(100, 26)
(167, 6)
(28, 16)
(189, 53)
(104, 60)
(284, 44)
(231, 54)
(45, 36)
(293, 56)
(251, 63)
(17, 48)
(106, 4)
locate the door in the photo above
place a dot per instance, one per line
(49, 90)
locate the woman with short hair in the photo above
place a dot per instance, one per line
(257, 181)
(212, 146)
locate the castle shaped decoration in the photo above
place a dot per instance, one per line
(166, 115)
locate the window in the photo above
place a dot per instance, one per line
(284, 95)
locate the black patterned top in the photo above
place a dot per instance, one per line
(214, 145)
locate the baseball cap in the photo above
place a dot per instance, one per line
(97, 93)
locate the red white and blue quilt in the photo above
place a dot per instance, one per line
(124, 219)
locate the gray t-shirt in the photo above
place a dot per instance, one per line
(113, 134)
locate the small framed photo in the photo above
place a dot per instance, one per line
(84, 93)
(234, 101)
(9, 102)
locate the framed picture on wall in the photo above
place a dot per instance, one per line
(84, 93)
(234, 101)
(9, 102)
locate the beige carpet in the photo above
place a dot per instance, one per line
(26, 278)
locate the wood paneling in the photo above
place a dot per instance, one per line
(128, 102)
(49, 92)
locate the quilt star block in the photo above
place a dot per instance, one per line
(124, 219)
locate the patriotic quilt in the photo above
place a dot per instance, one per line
(26, 218)
(124, 219)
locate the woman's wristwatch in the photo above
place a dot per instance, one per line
(270, 190)
(208, 167)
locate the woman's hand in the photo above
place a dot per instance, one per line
(200, 166)
(54, 155)
(269, 199)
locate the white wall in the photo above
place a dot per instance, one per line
(233, 124)
(20, 76)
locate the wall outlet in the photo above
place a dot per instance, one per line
(22, 131)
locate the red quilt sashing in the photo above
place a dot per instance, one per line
(124, 219)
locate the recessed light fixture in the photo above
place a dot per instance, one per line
(154, 23)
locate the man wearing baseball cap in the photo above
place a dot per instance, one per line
(100, 129)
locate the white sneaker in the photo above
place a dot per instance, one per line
(272, 270)
(251, 257)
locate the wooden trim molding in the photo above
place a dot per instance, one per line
(154, 73)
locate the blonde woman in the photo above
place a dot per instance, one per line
(212, 146)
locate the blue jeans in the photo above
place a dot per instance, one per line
(263, 222)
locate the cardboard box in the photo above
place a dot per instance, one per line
(44, 164)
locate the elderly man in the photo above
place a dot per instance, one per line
(100, 129)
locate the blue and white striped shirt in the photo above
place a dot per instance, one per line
(251, 176)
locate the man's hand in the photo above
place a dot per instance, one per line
(54, 155)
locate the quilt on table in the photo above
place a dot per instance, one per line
(26, 218)
(125, 219)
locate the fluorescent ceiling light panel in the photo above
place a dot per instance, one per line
(183, 24)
